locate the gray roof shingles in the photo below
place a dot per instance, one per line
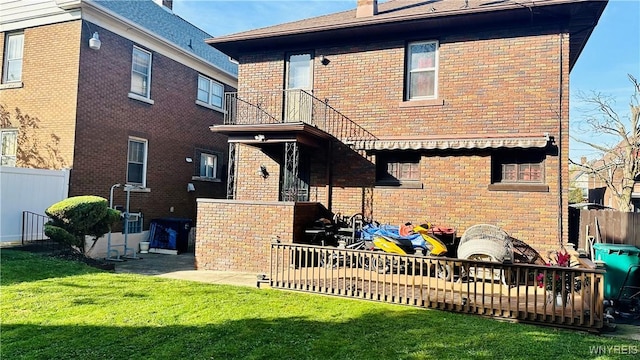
(173, 28)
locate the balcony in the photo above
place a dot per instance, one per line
(284, 108)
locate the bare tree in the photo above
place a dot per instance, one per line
(619, 165)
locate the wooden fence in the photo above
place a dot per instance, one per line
(518, 292)
(608, 226)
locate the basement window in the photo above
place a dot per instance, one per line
(134, 223)
(398, 169)
(518, 170)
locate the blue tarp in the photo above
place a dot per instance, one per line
(161, 237)
(370, 230)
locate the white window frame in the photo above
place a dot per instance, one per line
(204, 166)
(209, 93)
(144, 161)
(433, 68)
(8, 61)
(5, 159)
(132, 93)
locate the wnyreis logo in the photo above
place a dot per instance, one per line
(614, 350)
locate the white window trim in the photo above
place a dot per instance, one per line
(143, 97)
(144, 163)
(209, 103)
(12, 85)
(209, 106)
(5, 61)
(215, 166)
(140, 98)
(407, 78)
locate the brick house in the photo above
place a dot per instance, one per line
(133, 110)
(454, 112)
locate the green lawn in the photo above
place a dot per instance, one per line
(55, 309)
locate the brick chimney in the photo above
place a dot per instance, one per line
(583, 160)
(367, 8)
(165, 4)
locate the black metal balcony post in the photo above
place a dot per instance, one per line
(290, 181)
(231, 174)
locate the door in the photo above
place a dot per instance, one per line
(298, 85)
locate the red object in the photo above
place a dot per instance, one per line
(441, 230)
(405, 230)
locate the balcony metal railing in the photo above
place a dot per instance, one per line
(290, 106)
(507, 291)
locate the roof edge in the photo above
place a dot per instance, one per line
(377, 20)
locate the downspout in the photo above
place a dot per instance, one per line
(560, 188)
(329, 165)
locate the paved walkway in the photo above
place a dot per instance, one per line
(182, 267)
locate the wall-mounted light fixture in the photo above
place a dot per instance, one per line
(188, 159)
(260, 137)
(324, 60)
(94, 42)
(191, 187)
(263, 172)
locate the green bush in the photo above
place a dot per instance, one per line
(60, 235)
(74, 218)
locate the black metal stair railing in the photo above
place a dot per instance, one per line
(290, 106)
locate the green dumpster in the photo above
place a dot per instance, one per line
(622, 262)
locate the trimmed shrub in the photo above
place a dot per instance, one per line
(74, 218)
(60, 235)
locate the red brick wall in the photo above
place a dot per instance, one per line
(174, 127)
(249, 184)
(49, 92)
(80, 96)
(504, 82)
(237, 235)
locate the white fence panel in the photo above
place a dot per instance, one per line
(32, 190)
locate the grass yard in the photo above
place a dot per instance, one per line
(56, 309)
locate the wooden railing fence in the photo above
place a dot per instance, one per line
(507, 291)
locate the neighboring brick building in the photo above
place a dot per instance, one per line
(135, 111)
(609, 170)
(455, 112)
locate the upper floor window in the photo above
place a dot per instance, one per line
(208, 166)
(397, 169)
(137, 162)
(13, 50)
(9, 147)
(141, 73)
(422, 70)
(210, 92)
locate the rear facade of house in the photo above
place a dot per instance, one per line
(450, 112)
(133, 111)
